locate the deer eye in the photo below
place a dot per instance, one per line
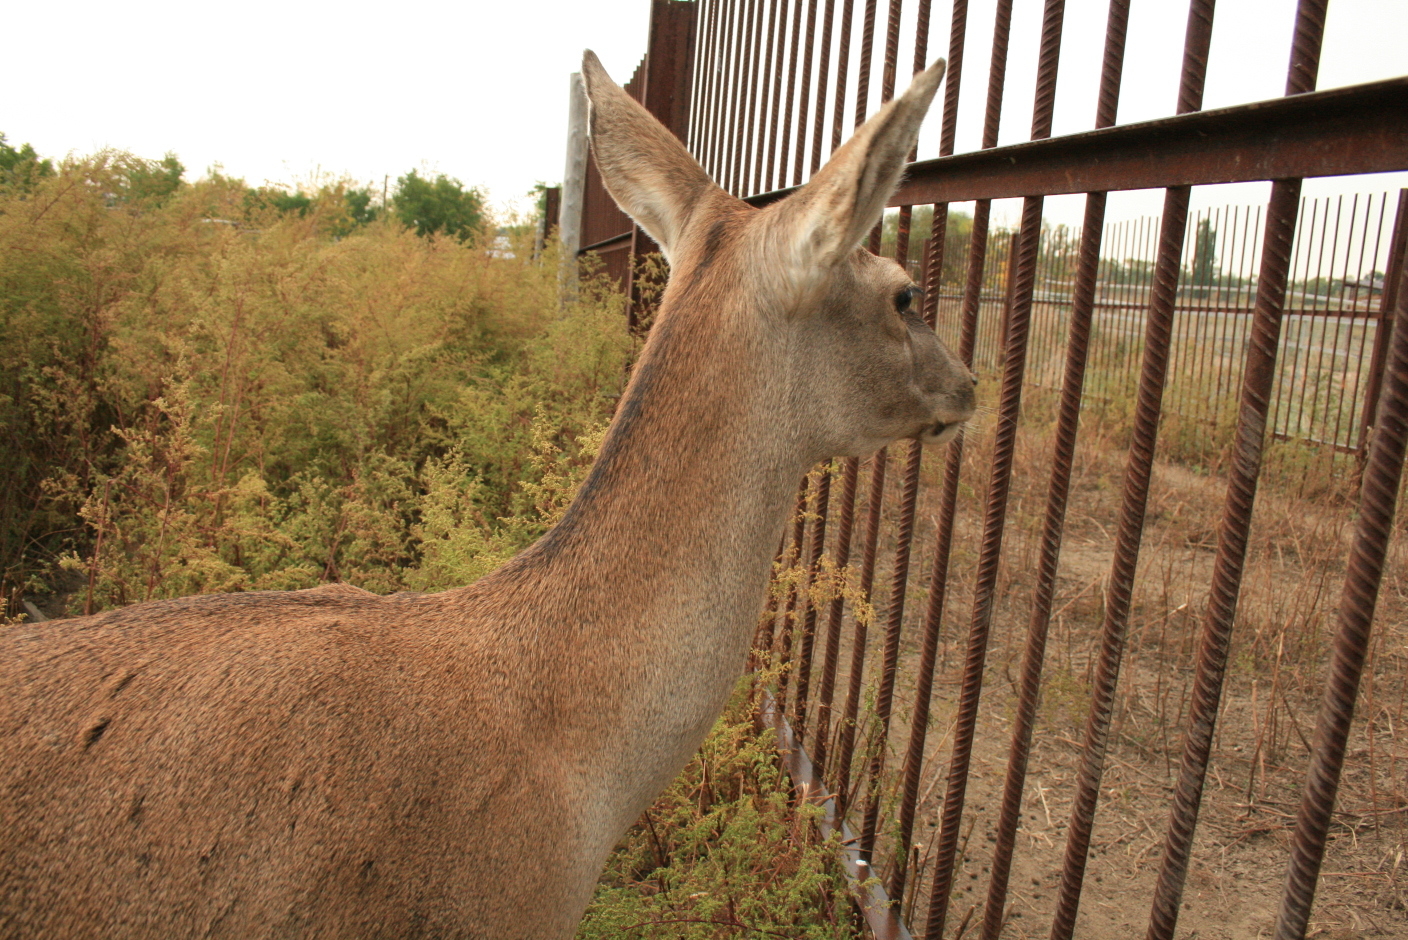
(905, 297)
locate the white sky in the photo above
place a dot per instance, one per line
(284, 91)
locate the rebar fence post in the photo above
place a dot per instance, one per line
(1377, 504)
(804, 659)
(1397, 260)
(933, 615)
(1138, 472)
(1234, 531)
(909, 493)
(846, 733)
(845, 748)
(951, 816)
(841, 558)
(785, 613)
(1068, 422)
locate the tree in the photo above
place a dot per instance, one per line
(360, 210)
(439, 206)
(152, 181)
(959, 230)
(1204, 255)
(21, 169)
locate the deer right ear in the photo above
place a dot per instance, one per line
(645, 168)
(824, 221)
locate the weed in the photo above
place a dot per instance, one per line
(724, 852)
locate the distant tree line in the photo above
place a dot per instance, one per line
(431, 205)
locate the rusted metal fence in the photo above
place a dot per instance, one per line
(762, 91)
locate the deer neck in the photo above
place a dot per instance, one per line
(681, 512)
(648, 590)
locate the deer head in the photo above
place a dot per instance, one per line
(853, 364)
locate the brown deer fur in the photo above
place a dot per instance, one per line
(329, 763)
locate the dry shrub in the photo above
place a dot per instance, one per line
(207, 394)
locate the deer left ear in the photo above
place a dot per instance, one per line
(645, 168)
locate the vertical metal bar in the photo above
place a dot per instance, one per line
(1068, 423)
(943, 543)
(733, 151)
(1240, 333)
(1359, 358)
(1377, 503)
(804, 664)
(953, 80)
(760, 182)
(745, 149)
(1309, 384)
(1217, 331)
(1205, 316)
(851, 473)
(1010, 291)
(929, 644)
(1149, 235)
(1009, 409)
(822, 77)
(846, 746)
(1397, 256)
(909, 493)
(720, 92)
(851, 715)
(1337, 353)
(1220, 330)
(1177, 393)
(947, 844)
(867, 48)
(841, 558)
(1287, 403)
(703, 64)
(699, 88)
(806, 93)
(1153, 372)
(777, 130)
(804, 659)
(1258, 375)
(733, 126)
(762, 632)
(786, 551)
(843, 64)
(789, 611)
(787, 126)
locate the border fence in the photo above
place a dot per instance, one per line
(1309, 341)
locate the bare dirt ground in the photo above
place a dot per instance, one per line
(1300, 540)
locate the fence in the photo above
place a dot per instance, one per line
(1330, 324)
(761, 91)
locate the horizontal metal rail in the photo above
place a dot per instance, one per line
(1343, 131)
(615, 241)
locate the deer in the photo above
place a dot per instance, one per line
(330, 763)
